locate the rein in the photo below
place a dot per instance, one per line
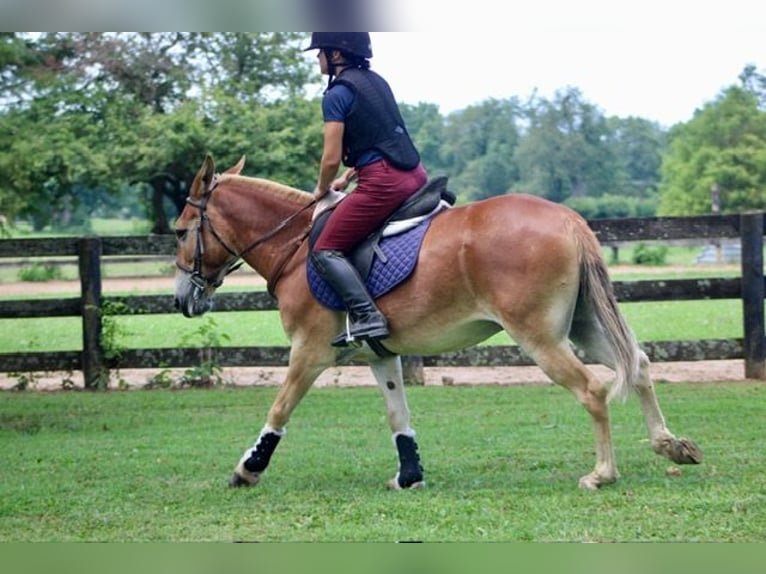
(215, 279)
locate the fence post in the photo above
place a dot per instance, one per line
(412, 370)
(93, 366)
(751, 230)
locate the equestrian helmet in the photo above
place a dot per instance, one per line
(354, 43)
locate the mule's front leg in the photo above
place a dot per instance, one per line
(388, 374)
(410, 473)
(301, 373)
(255, 460)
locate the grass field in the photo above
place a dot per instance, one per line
(655, 321)
(502, 464)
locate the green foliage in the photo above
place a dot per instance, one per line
(426, 127)
(478, 148)
(208, 372)
(116, 110)
(611, 206)
(99, 123)
(644, 254)
(113, 331)
(24, 381)
(163, 379)
(207, 334)
(565, 152)
(39, 272)
(724, 145)
(638, 145)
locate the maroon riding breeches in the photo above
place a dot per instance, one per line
(380, 189)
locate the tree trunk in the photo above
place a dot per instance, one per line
(161, 225)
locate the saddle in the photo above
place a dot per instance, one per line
(427, 201)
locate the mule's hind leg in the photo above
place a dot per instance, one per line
(388, 374)
(564, 368)
(589, 337)
(665, 443)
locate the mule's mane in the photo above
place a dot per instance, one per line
(286, 192)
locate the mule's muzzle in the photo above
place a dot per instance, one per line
(193, 306)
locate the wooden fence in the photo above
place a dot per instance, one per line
(750, 288)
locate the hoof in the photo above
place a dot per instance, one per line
(588, 483)
(393, 484)
(685, 451)
(238, 479)
(593, 481)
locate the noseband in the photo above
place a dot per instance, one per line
(199, 281)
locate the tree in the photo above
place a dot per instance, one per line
(426, 127)
(755, 83)
(479, 146)
(254, 67)
(102, 110)
(638, 145)
(565, 150)
(724, 144)
(50, 148)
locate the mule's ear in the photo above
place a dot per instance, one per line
(237, 168)
(201, 184)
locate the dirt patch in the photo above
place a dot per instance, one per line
(698, 372)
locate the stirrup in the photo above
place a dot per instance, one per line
(347, 338)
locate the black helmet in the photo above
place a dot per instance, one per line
(354, 43)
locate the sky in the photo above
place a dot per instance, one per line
(656, 60)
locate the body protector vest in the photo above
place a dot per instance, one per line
(374, 121)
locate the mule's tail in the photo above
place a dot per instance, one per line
(596, 288)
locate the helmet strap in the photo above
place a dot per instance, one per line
(331, 67)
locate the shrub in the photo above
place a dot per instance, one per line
(40, 273)
(647, 255)
(610, 206)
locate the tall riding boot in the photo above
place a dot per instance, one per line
(365, 320)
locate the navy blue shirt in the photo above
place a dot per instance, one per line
(336, 105)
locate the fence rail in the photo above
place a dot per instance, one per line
(91, 251)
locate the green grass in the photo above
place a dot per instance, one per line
(501, 464)
(106, 227)
(67, 268)
(651, 321)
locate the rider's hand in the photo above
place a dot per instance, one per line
(339, 184)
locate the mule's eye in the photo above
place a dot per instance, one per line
(181, 234)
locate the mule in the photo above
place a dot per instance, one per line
(516, 262)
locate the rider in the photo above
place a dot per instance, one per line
(363, 128)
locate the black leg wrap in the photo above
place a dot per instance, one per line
(261, 454)
(410, 470)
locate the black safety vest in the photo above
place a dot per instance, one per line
(374, 121)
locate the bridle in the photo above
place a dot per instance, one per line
(202, 282)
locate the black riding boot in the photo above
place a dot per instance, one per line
(365, 320)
